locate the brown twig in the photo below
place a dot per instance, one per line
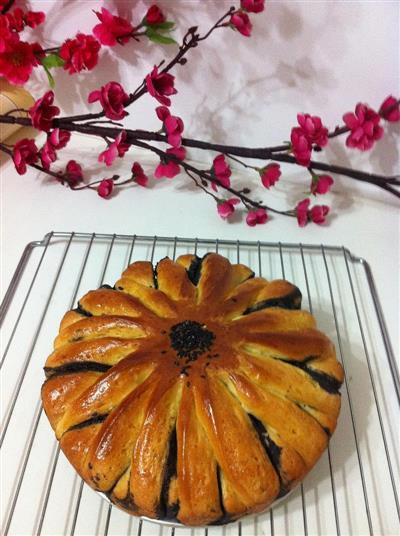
(50, 50)
(205, 174)
(199, 185)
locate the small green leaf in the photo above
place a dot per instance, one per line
(158, 38)
(50, 77)
(163, 26)
(52, 60)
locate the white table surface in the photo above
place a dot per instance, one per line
(320, 57)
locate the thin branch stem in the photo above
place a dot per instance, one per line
(217, 24)
(247, 166)
(109, 121)
(199, 185)
(204, 174)
(50, 50)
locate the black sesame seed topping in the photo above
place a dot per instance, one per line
(190, 339)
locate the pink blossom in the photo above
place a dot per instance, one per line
(390, 109)
(16, 19)
(160, 86)
(43, 112)
(24, 152)
(47, 154)
(364, 126)
(112, 98)
(59, 138)
(270, 174)
(105, 188)
(240, 20)
(255, 217)
(34, 18)
(73, 173)
(252, 6)
(321, 184)
(302, 212)
(162, 113)
(18, 58)
(227, 208)
(174, 128)
(301, 147)
(179, 152)
(80, 53)
(154, 15)
(313, 129)
(221, 171)
(173, 125)
(167, 169)
(112, 29)
(139, 175)
(318, 213)
(117, 148)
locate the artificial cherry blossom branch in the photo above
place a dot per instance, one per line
(262, 153)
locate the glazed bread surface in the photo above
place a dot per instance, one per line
(192, 391)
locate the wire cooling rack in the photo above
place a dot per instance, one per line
(354, 487)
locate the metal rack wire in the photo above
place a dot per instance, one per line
(353, 489)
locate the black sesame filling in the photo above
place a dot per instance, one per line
(330, 384)
(168, 510)
(79, 366)
(190, 339)
(80, 310)
(96, 419)
(290, 301)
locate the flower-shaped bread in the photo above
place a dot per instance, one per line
(193, 390)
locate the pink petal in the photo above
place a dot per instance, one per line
(350, 120)
(94, 96)
(162, 112)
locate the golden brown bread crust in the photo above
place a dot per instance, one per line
(193, 391)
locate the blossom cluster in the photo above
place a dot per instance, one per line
(363, 126)
(17, 57)
(80, 53)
